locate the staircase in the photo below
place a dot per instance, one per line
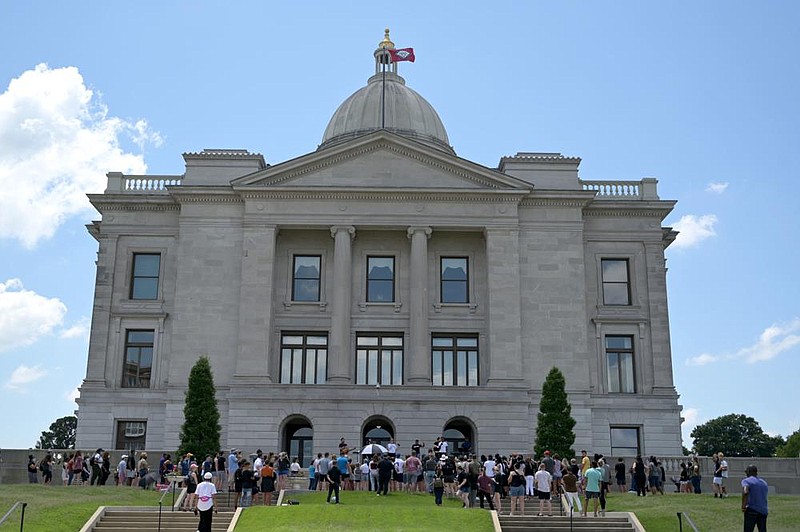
(558, 523)
(127, 520)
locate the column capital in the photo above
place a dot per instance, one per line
(337, 228)
(418, 228)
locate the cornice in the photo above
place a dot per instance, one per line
(206, 195)
(386, 195)
(627, 213)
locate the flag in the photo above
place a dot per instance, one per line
(402, 54)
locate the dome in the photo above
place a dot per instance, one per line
(405, 112)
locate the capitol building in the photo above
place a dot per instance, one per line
(381, 286)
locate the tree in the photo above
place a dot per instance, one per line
(734, 435)
(61, 434)
(554, 421)
(200, 430)
(791, 448)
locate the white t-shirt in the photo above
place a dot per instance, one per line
(489, 465)
(392, 448)
(399, 464)
(542, 479)
(295, 467)
(724, 465)
(257, 465)
(204, 492)
(443, 447)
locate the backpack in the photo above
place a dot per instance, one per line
(438, 482)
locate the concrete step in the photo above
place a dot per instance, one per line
(118, 521)
(560, 524)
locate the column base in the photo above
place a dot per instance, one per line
(339, 379)
(420, 381)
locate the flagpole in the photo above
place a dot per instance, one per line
(383, 89)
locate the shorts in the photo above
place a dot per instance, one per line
(464, 489)
(345, 476)
(544, 495)
(718, 480)
(655, 482)
(449, 479)
(398, 477)
(283, 472)
(592, 495)
(409, 478)
(517, 491)
(621, 481)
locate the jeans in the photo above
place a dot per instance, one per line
(488, 496)
(312, 483)
(333, 488)
(437, 493)
(754, 519)
(429, 480)
(383, 484)
(373, 482)
(247, 497)
(696, 484)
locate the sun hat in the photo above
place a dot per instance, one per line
(207, 476)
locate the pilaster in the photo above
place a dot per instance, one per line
(419, 365)
(339, 346)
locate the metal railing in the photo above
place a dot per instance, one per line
(681, 517)
(11, 510)
(564, 503)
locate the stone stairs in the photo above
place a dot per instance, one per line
(134, 521)
(530, 521)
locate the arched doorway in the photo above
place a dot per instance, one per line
(460, 436)
(377, 430)
(298, 440)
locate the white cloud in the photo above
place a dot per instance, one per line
(26, 316)
(717, 188)
(691, 418)
(72, 395)
(773, 341)
(694, 229)
(24, 375)
(57, 142)
(702, 360)
(79, 330)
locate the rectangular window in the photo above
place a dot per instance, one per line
(619, 354)
(616, 284)
(138, 359)
(131, 435)
(144, 278)
(454, 280)
(304, 358)
(454, 360)
(380, 279)
(306, 277)
(625, 441)
(379, 360)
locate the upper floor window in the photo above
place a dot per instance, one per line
(619, 357)
(306, 278)
(454, 360)
(379, 359)
(304, 358)
(380, 279)
(138, 365)
(616, 283)
(144, 278)
(454, 280)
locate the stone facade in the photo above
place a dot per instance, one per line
(531, 235)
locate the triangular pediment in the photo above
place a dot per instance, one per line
(381, 160)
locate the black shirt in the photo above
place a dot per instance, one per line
(385, 467)
(334, 475)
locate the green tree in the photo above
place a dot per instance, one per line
(555, 422)
(200, 430)
(791, 448)
(61, 434)
(734, 435)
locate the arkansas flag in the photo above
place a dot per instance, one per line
(402, 54)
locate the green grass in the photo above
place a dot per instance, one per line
(60, 509)
(363, 511)
(658, 513)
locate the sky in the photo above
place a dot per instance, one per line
(701, 95)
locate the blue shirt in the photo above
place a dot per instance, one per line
(756, 494)
(233, 465)
(593, 476)
(342, 463)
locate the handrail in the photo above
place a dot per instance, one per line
(10, 511)
(681, 515)
(160, 504)
(567, 502)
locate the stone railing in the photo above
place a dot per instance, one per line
(119, 183)
(623, 190)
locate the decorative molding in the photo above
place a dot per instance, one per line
(349, 228)
(413, 229)
(440, 195)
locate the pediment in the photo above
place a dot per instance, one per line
(381, 160)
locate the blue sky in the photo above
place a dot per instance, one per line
(701, 95)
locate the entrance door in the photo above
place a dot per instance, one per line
(300, 442)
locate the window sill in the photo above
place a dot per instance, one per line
(396, 305)
(437, 307)
(322, 305)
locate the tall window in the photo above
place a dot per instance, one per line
(306, 277)
(454, 279)
(144, 279)
(379, 360)
(454, 360)
(131, 435)
(619, 354)
(304, 358)
(616, 286)
(625, 441)
(138, 359)
(380, 279)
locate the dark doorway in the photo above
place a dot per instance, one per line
(377, 430)
(299, 441)
(460, 437)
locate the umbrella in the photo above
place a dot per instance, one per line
(374, 448)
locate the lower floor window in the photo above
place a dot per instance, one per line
(131, 435)
(454, 360)
(625, 441)
(304, 358)
(379, 359)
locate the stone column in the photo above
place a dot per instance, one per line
(255, 302)
(505, 319)
(419, 367)
(339, 355)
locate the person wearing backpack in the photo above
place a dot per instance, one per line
(438, 488)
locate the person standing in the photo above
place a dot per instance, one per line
(754, 501)
(122, 470)
(385, 470)
(571, 491)
(592, 478)
(233, 466)
(619, 473)
(723, 470)
(544, 484)
(334, 478)
(516, 479)
(206, 497)
(33, 470)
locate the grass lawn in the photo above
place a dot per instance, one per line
(364, 511)
(60, 509)
(658, 513)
